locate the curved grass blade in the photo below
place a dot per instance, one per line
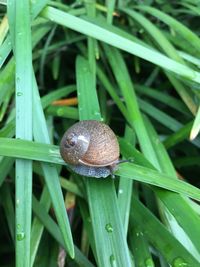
(52, 227)
(180, 135)
(113, 39)
(50, 153)
(160, 237)
(52, 181)
(178, 27)
(110, 242)
(184, 215)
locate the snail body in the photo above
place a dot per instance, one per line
(90, 148)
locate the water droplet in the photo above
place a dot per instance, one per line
(121, 191)
(18, 226)
(17, 202)
(19, 93)
(17, 79)
(20, 236)
(149, 263)
(55, 152)
(179, 262)
(97, 113)
(139, 233)
(19, 33)
(109, 228)
(113, 261)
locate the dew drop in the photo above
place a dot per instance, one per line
(17, 202)
(19, 93)
(113, 262)
(17, 79)
(109, 227)
(20, 236)
(121, 191)
(18, 226)
(179, 262)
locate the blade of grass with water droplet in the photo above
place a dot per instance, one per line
(50, 153)
(20, 28)
(165, 242)
(125, 188)
(185, 216)
(110, 243)
(160, 160)
(139, 245)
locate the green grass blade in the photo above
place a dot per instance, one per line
(145, 175)
(139, 245)
(180, 135)
(50, 153)
(5, 49)
(57, 94)
(113, 39)
(63, 112)
(52, 227)
(51, 175)
(178, 27)
(181, 209)
(110, 9)
(21, 38)
(124, 81)
(5, 166)
(83, 79)
(125, 190)
(196, 126)
(161, 97)
(8, 206)
(155, 33)
(159, 115)
(110, 243)
(160, 238)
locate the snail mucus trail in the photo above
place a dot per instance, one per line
(91, 149)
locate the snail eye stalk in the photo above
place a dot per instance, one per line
(71, 140)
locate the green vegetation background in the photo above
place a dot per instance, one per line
(133, 65)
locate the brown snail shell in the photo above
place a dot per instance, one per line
(90, 143)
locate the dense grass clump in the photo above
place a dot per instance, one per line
(133, 65)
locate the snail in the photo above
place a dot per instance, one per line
(91, 149)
